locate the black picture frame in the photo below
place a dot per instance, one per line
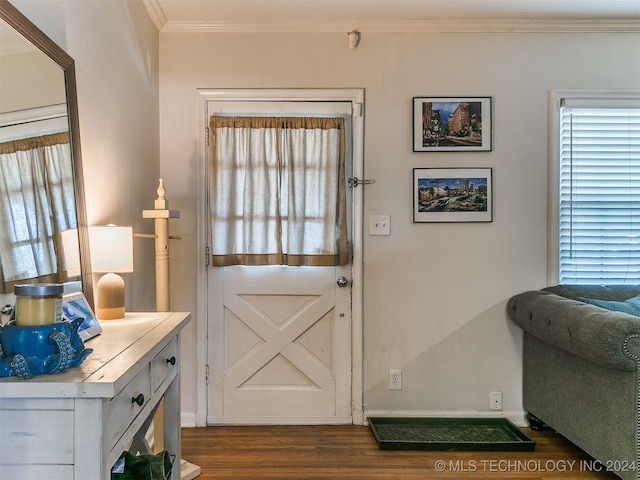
(452, 124)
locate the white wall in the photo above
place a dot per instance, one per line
(434, 294)
(115, 48)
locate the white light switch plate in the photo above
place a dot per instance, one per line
(379, 225)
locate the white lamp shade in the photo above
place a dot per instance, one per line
(111, 249)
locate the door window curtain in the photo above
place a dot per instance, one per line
(277, 191)
(36, 205)
(599, 210)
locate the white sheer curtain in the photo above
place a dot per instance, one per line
(36, 204)
(276, 191)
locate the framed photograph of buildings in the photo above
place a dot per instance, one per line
(452, 124)
(452, 195)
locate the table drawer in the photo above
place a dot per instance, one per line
(124, 406)
(35, 436)
(164, 363)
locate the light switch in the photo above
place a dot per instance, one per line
(379, 225)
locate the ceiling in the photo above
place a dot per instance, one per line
(390, 15)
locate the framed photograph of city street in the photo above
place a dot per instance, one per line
(452, 124)
(452, 195)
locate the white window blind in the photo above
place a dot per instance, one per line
(599, 192)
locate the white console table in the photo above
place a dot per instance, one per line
(75, 424)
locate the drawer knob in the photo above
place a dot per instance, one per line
(171, 360)
(139, 400)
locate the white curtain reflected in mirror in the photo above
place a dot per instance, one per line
(36, 206)
(37, 175)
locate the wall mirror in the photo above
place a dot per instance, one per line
(41, 184)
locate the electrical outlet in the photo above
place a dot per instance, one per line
(495, 399)
(395, 379)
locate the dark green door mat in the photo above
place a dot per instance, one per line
(450, 434)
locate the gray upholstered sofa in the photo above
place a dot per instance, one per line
(581, 370)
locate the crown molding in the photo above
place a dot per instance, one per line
(410, 26)
(155, 12)
(443, 25)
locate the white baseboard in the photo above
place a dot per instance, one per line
(518, 418)
(187, 419)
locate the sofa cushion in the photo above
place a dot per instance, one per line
(630, 306)
(617, 293)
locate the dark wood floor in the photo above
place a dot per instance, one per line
(351, 453)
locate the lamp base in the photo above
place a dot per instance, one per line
(110, 302)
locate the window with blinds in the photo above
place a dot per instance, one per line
(599, 191)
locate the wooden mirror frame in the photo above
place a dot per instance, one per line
(22, 25)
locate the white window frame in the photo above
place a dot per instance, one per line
(555, 98)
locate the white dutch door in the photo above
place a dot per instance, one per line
(279, 341)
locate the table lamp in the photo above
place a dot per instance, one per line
(111, 253)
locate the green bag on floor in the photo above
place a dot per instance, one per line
(142, 467)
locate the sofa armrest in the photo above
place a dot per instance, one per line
(610, 339)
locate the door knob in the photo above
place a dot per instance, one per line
(342, 281)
